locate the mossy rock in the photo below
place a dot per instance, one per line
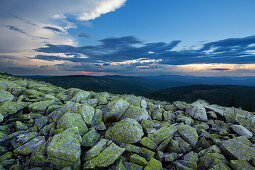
(197, 111)
(115, 109)
(188, 133)
(102, 155)
(40, 106)
(209, 160)
(148, 143)
(65, 146)
(154, 164)
(20, 126)
(162, 134)
(72, 120)
(30, 146)
(241, 164)
(5, 96)
(136, 113)
(87, 112)
(23, 138)
(238, 148)
(147, 124)
(81, 96)
(125, 131)
(1, 117)
(138, 159)
(131, 148)
(90, 138)
(9, 108)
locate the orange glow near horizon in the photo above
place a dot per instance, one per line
(94, 73)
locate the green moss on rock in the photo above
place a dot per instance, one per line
(69, 120)
(125, 131)
(115, 109)
(102, 155)
(138, 159)
(154, 164)
(65, 145)
(90, 138)
(188, 133)
(136, 113)
(162, 134)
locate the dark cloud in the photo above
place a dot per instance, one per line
(228, 51)
(52, 29)
(14, 28)
(85, 35)
(220, 69)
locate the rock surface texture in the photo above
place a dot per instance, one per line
(47, 127)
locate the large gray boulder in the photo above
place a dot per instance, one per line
(115, 109)
(69, 120)
(103, 154)
(197, 111)
(5, 96)
(65, 148)
(136, 113)
(188, 133)
(238, 148)
(242, 131)
(126, 131)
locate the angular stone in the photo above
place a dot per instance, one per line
(1, 117)
(216, 109)
(23, 138)
(188, 133)
(138, 159)
(136, 113)
(242, 131)
(133, 100)
(103, 154)
(238, 148)
(20, 126)
(80, 96)
(125, 131)
(41, 122)
(87, 112)
(90, 138)
(9, 108)
(197, 111)
(209, 160)
(241, 165)
(30, 146)
(191, 157)
(71, 120)
(40, 106)
(147, 153)
(162, 134)
(6, 156)
(148, 143)
(131, 148)
(154, 164)
(170, 157)
(115, 109)
(65, 145)
(5, 96)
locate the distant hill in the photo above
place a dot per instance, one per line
(225, 95)
(93, 83)
(168, 88)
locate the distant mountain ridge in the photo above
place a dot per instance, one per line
(217, 90)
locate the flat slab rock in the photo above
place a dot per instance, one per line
(238, 148)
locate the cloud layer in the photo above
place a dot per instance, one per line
(120, 49)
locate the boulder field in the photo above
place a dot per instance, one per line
(47, 127)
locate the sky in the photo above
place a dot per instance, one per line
(127, 37)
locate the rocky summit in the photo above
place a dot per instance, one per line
(47, 127)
